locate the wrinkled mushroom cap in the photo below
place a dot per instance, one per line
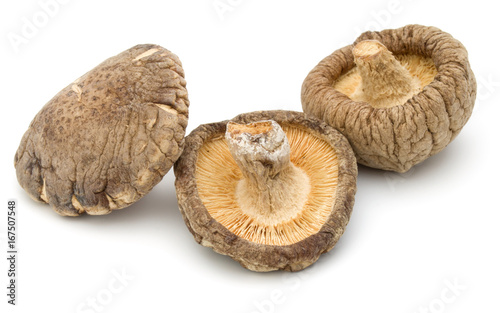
(399, 136)
(207, 179)
(105, 140)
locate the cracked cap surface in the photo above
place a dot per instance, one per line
(106, 139)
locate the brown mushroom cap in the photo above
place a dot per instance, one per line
(271, 216)
(106, 139)
(395, 132)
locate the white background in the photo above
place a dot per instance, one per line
(410, 238)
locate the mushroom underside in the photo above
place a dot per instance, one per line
(420, 68)
(398, 116)
(278, 159)
(219, 182)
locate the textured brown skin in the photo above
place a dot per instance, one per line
(109, 140)
(398, 137)
(260, 257)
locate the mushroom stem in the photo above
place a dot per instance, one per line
(262, 152)
(383, 77)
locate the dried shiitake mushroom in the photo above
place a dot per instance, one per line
(399, 95)
(271, 189)
(106, 139)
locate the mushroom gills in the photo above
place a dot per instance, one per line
(382, 79)
(287, 204)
